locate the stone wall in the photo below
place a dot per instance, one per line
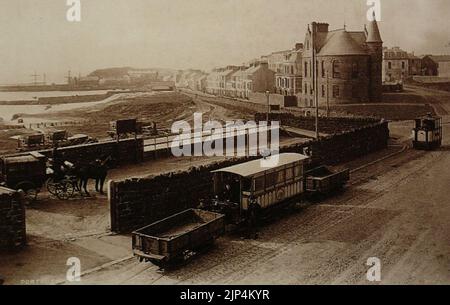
(135, 203)
(329, 125)
(138, 202)
(12, 220)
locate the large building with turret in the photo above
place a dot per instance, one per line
(348, 65)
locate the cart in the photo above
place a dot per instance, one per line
(25, 172)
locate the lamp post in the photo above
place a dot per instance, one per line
(268, 105)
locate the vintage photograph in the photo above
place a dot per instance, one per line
(224, 142)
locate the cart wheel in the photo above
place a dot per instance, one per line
(51, 186)
(65, 190)
(30, 190)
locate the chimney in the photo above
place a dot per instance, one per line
(321, 27)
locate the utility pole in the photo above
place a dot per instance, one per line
(34, 76)
(315, 78)
(268, 106)
(328, 94)
(69, 77)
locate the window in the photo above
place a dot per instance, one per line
(298, 171)
(306, 69)
(246, 185)
(280, 177)
(306, 88)
(336, 69)
(271, 179)
(323, 90)
(259, 184)
(335, 91)
(289, 173)
(389, 65)
(355, 70)
(403, 65)
(323, 69)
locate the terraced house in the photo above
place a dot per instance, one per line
(288, 80)
(395, 65)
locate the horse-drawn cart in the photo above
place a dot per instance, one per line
(24, 172)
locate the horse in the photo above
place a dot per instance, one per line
(97, 170)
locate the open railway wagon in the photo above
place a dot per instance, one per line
(24, 172)
(427, 133)
(323, 181)
(177, 237)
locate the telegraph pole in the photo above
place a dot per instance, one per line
(315, 78)
(328, 95)
(34, 76)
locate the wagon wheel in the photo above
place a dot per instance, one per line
(51, 186)
(65, 190)
(30, 190)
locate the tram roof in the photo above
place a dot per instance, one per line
(254, 167)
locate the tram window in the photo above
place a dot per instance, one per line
(259, 184)
(246, 185)
(289, 173)
(280, 177)
(297, 171)
(271, 179)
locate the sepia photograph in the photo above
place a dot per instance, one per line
(210, 144)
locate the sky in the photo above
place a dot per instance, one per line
(35, 36)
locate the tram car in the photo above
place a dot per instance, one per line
(238, 188)
(427, 133)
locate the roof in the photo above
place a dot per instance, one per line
(440, 58)
(342, 43)
(254, 167)
(373, 32)
(20, 159)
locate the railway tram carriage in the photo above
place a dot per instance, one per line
(237, 186)
(427, 134)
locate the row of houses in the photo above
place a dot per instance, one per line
(350, 67)
(398, 65)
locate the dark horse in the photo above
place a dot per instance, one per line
(97, 170)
